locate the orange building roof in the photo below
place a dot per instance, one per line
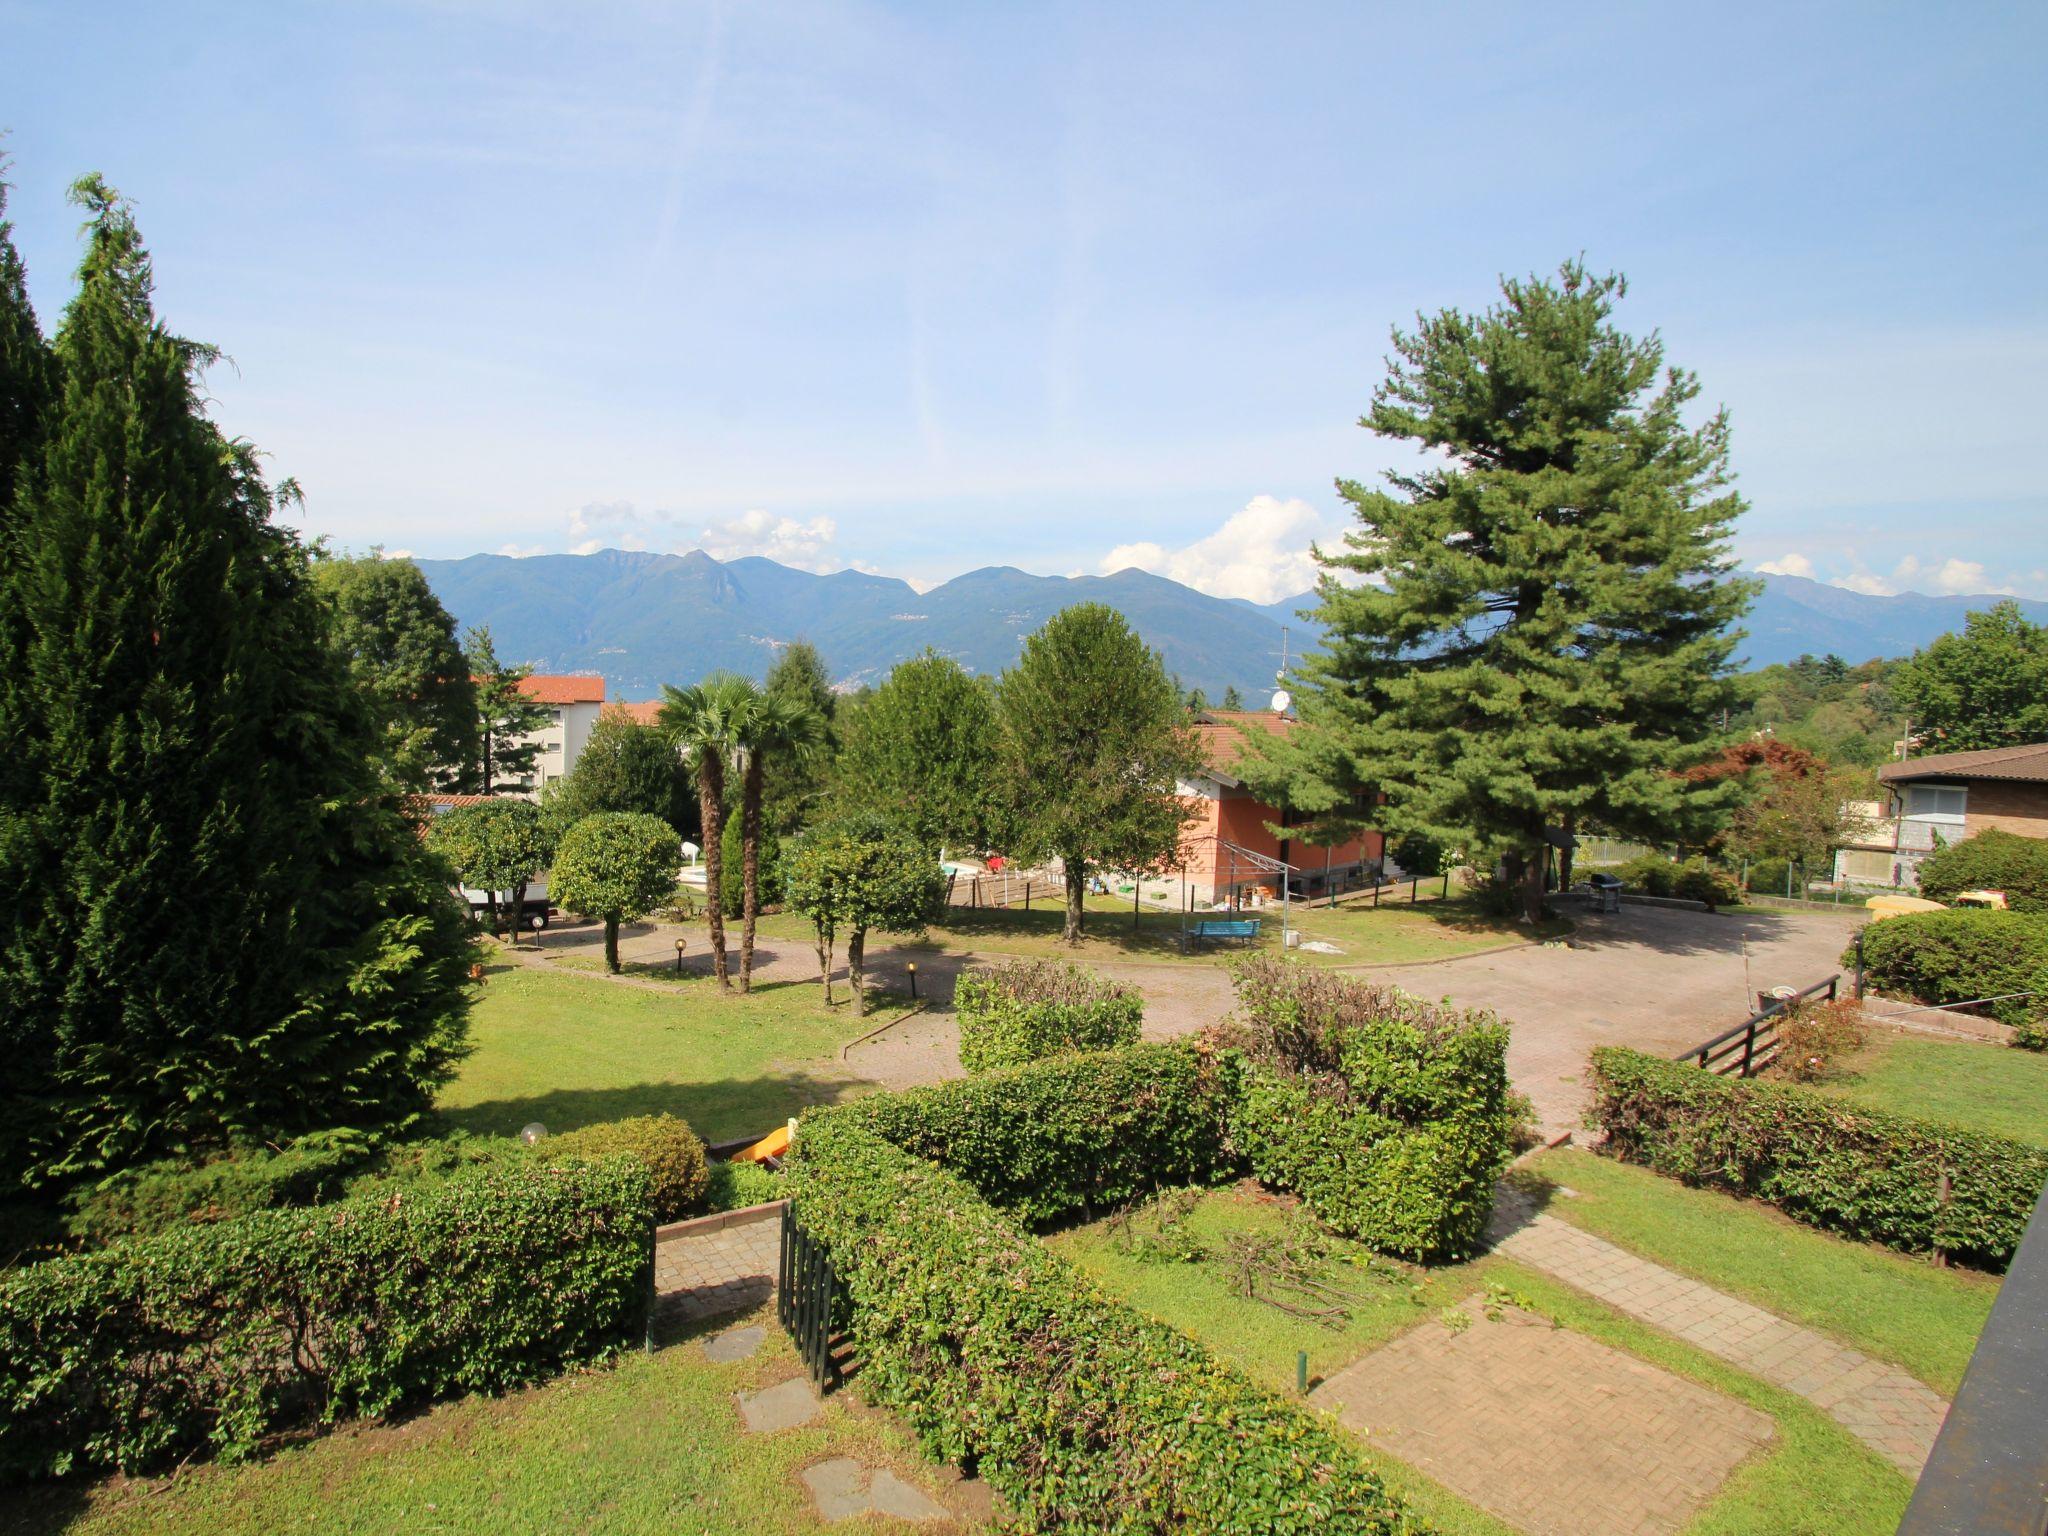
(563, 689)
(640, 712)
(1222, 733)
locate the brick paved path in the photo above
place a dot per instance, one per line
(704, 1274)
(1880, 1404)
(1556, 1433)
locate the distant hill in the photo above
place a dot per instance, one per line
(645, 619)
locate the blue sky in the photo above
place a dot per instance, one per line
(922, 288)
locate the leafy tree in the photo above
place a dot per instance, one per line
(215, 924)
(618, 866)
(508, 718)
(1993, 860)
(1539, 632)
(1232, 699)
(1094, 743)
(399, 645)
(851, 876)
(624, 766)
(1985, 687)
(922, 753)
(498, 845)
(1851, 719)
(706, 722)
(1797, 808)
(796, 780)
(767, 878)
(775, 727)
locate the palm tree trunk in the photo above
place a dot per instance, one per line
(710, 791)
(750, 863)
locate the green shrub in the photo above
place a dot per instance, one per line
(1071, 1134)
(1990, 861)
(1026, 1009)
(1958, 956)
(677, 1171)
(735, 1186)
(1769, 877)
(1697, 880)
(1884, 1178)
(1651, 874)
(1390, 1116)
(213, 1336)
(1083, 1414)
(169, 1193)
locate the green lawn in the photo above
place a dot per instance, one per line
(650, 1444)
(568, 1049)
(1889, 1305)
(1816, 1480)
(1975, 1084)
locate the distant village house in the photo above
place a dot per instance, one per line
(1934, 801)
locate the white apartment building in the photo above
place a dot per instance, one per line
(574, 703)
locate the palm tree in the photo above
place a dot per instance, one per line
(776, 723)
(707, 723)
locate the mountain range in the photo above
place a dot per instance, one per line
(642, 619)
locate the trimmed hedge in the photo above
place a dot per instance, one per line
(1960, 955)
(1390, 1116)
(678, 1173)
(1864, 1173)
(214, 1336)
(1024, 1010)
(1991, 861)
(1069, 1134)
(1085, 1415)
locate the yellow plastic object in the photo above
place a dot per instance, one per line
(774, 1144)
(1894, 906)
(1993, 899)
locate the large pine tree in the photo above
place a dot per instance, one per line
(214, 923)
(1532, 632)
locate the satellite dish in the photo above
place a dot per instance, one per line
(1281, 699)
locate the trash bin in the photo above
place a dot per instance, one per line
(1606, 893)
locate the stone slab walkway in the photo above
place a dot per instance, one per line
(1554, 1432)
(707, 1274)
(1888, 1410)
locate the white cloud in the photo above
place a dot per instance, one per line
(395, 554)
(1867, 584)
(804, 545)
(521, 552)
(1952, 577)
(1788, 565)
(1261, 553)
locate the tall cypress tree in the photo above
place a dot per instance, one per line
(27, 370)
(1542, 633)
(214, 923)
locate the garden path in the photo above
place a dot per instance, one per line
(1888, 1410)
(705, 1270)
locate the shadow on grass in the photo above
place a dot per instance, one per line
(42, 1509)
(717, 1111)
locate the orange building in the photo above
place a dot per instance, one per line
(1228, 816)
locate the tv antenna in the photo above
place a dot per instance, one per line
(1281, 697)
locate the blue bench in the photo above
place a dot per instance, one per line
(1243, 929)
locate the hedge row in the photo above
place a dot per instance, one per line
(1069, 1134)
(1025, 1010)
(1993, 860)
(1885, 1178)
(1389, 1115)
(1085, 1415)
(1958, 956)
(213, 1336)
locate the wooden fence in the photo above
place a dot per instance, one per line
(806, 1289)
(1753, 1044)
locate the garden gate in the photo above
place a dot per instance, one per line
(806, 1288)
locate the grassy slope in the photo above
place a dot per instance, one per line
(650, 1444)
(1887, 1304)
(1975, 1084)
(1817, 1479)
(567, 1049)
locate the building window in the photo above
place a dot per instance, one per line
(1935, 802)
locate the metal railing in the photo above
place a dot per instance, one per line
(1754, 1044)
(806, 1289)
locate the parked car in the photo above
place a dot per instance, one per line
(534, 910)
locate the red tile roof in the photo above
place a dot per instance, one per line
(564, 690)
(1222, 732)
(2029, 762)
(640, 712)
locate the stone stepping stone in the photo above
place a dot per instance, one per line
(782, 1406)
(734, 1344)
(843, 1489)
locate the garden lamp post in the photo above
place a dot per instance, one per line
(681, 944)
(912, 968)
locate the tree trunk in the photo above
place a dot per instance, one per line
(856, 974)
(518, 910)
(1565, 854)
(750, 864)
(1077, 890)
(611, 945)
(710, 786)
(1532, 886)
(825, 963)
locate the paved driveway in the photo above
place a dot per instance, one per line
(1655, 978)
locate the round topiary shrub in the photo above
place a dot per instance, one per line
(1027, 1009)
(1959, 956)
(1651, 874)
(1990, 861)
(1697, 880)
(671, 1152)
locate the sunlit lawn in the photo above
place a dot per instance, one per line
(568, 1049)
(1816, 1478)
(1975, 1084)
(646, 1445)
